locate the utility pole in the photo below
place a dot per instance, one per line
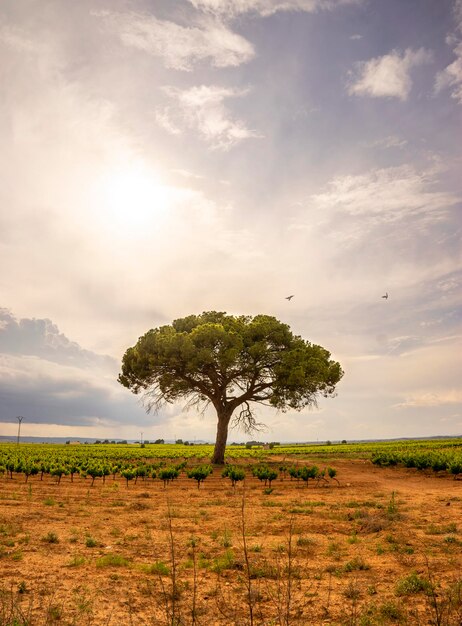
(19, 418)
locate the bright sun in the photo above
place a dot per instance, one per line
(133, 198)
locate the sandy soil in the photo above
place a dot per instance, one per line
(337, 554)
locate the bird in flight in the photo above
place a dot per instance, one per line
(385, 296)
(289, 298)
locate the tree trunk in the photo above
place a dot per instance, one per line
(218, 457)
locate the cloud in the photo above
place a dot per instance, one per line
(387, 76)
(202, 109)
(50, 379)
(41, 338)
(425, 399)
(231, 8)
(451, 76)
(392, 141)
(180, 47)
(388, 229)
(387, 195)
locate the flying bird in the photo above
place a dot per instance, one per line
(385, 296)
(289, 298)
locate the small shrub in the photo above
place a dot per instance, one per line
(235, 474)
(352, 592)
(51, 537)
(390, 611)
(200, 473)
(167, 474)
(91, 542)
(412, 584)
(356, 564)
(265, 474)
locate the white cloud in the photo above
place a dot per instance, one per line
(231, 8)
(387, 195)
(387, 76)
(16, 39)
(181, 47)
(424, 399)
(392, 141)
(202, 109)
(451, 76)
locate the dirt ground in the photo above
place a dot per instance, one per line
(383, 546)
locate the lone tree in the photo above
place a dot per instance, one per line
(229, 362)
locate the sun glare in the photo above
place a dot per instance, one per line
(133, 198)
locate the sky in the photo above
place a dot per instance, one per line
(166, 157)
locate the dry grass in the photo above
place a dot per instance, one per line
(347, 554)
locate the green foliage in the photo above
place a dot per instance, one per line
(412, 584)
(265, 473)
(167, 474)
(200, 473)
(223, 562)
(455, 467)
(91, 542)
(123, 460)
(235, 474)
(332, 473)
(158, 567)
(112, 560)
(128, 473)
(304, 473)
(230, 362)
(76, 561)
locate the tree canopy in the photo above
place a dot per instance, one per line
(230, 362)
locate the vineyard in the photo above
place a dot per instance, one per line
(344, 534)
(151, 461)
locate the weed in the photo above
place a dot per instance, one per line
(221, 563)
(441, 530)
(90, 542)
(412, 584)
(334, 550)
(54, 613)
(306, 542)
(22, 587)
(112, 560)
(50, 537)
(389, 610)
(226, 540)
(392, 508)
(352, 591)
(76, 561)
(356, 564)
(159, 567)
